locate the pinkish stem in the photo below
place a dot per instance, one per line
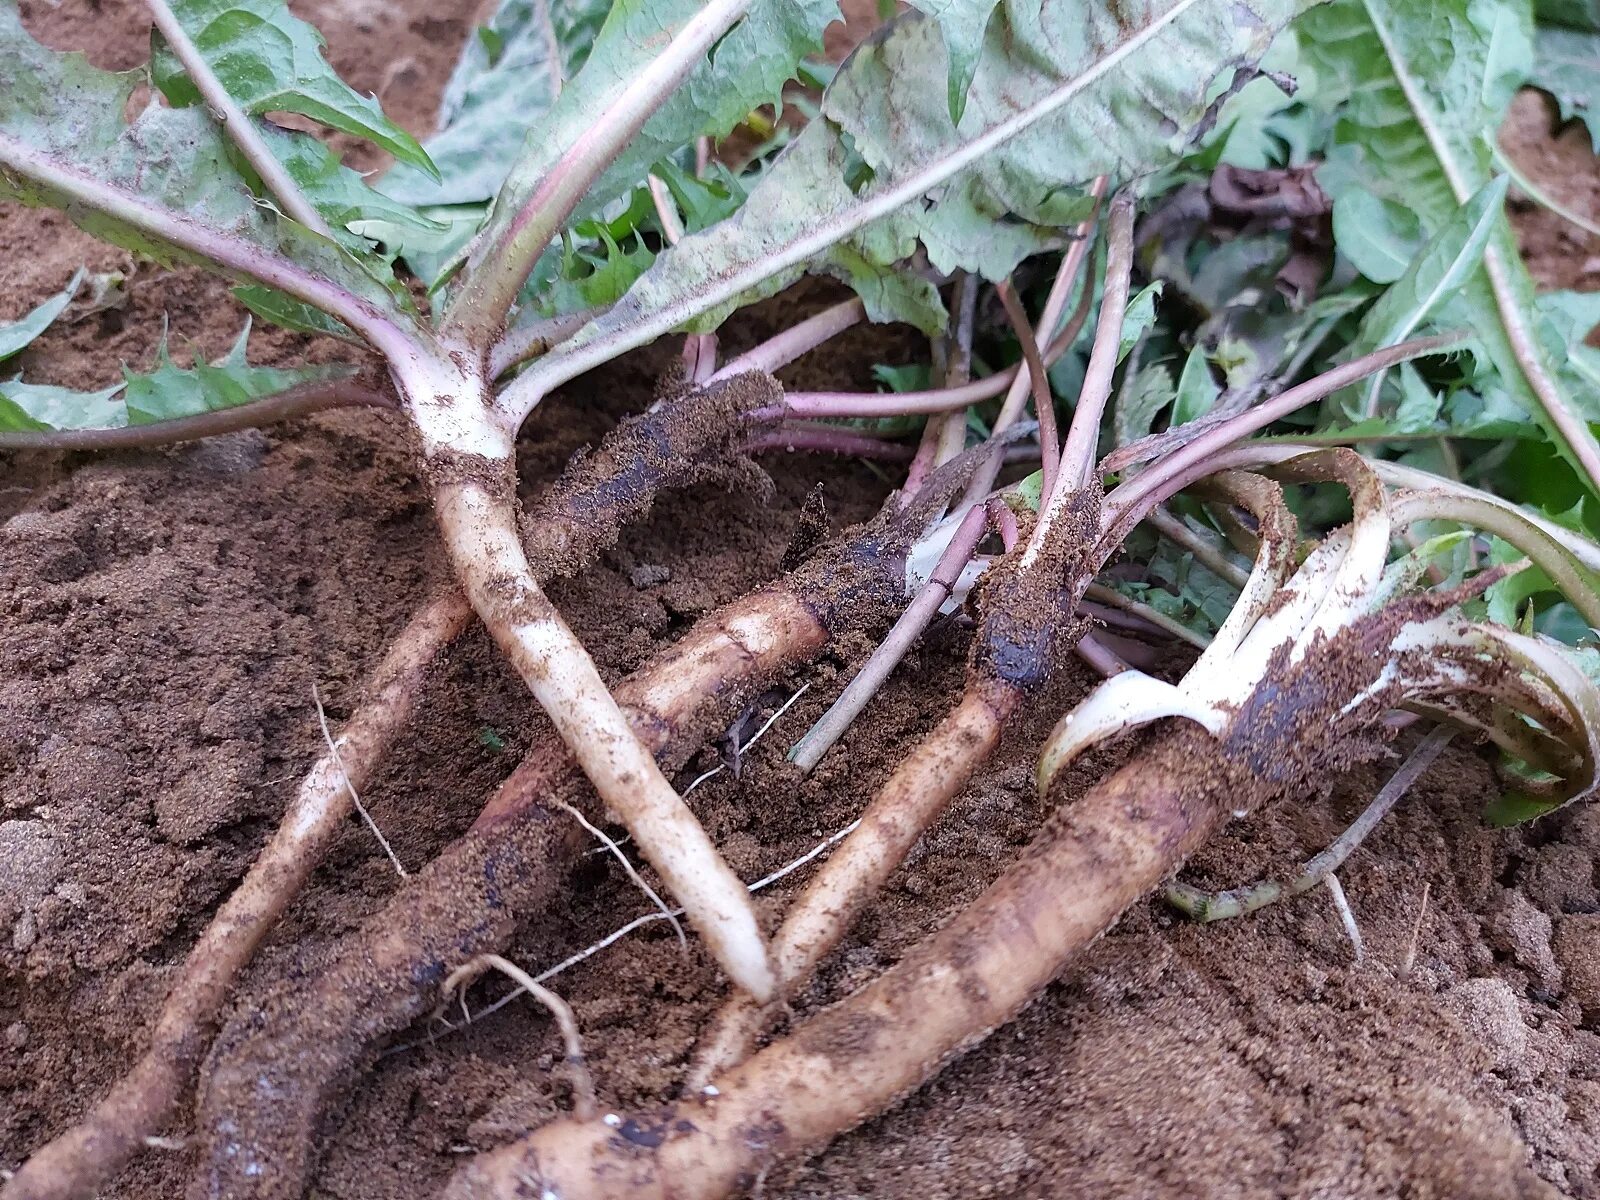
(799, 339)
(1126, 505)
(1004, 522)
(825, 439)
(922, 609)
(1043, 405)
(944, 435)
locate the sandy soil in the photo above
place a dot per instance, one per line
(163, 616)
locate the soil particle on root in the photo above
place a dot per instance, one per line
(164, 614)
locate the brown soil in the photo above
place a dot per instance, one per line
(165, 615)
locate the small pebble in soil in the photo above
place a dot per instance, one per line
(1519, 929)
(1577, 950)
(649, 575)
(1488, 1008)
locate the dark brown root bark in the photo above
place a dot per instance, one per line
(682, 441)
(1089, 863)
(283, 1063)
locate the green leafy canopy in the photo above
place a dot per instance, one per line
(1062, 92)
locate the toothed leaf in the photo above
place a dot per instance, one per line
(164, 393)
(15, 335)
(1419, 88)
(1062, 92)
(269, 60)
(64, 140)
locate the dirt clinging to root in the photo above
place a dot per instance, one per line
(163, 616)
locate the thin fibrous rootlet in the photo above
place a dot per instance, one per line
(956, 145)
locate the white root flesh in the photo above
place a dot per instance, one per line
(481, 532)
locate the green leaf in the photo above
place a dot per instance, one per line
(505, 80)
(1419, 87)
(164, 393)
(591, 279)
(15, 335)
(913, 377)
(62, 119)
(1430, 281)
(1139, 318)
(1063, 92)
(962, 23)
(271, 61)
(747, 68)
(358, 215)
(170, 391)
(1198, 390)
(1140, 403)
(1378, 235)
(1566, 63)
(42, 407)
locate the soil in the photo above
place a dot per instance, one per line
(165, 615)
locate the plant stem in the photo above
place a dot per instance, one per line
(533, 338)
(869, 406)
(1570, 577)
(1205, 553)
(1078, 455)
(500, 267)
(1530, 356)
(78, 1162)
(280, 406)
(1219, 906)
(944, 435)
(1043, 403)
(1128, 503)
(818, 405)
(1059, 341)
(808, 751)
(1399, 475)
(236, 123)
(1151, 616)
(825, 439)
(239, 257)
(799, 339)
(480, 530)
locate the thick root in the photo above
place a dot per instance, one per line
(912, 799)
(684, 440)
(81, 1159)
(284, 1062)
(1091, 861)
